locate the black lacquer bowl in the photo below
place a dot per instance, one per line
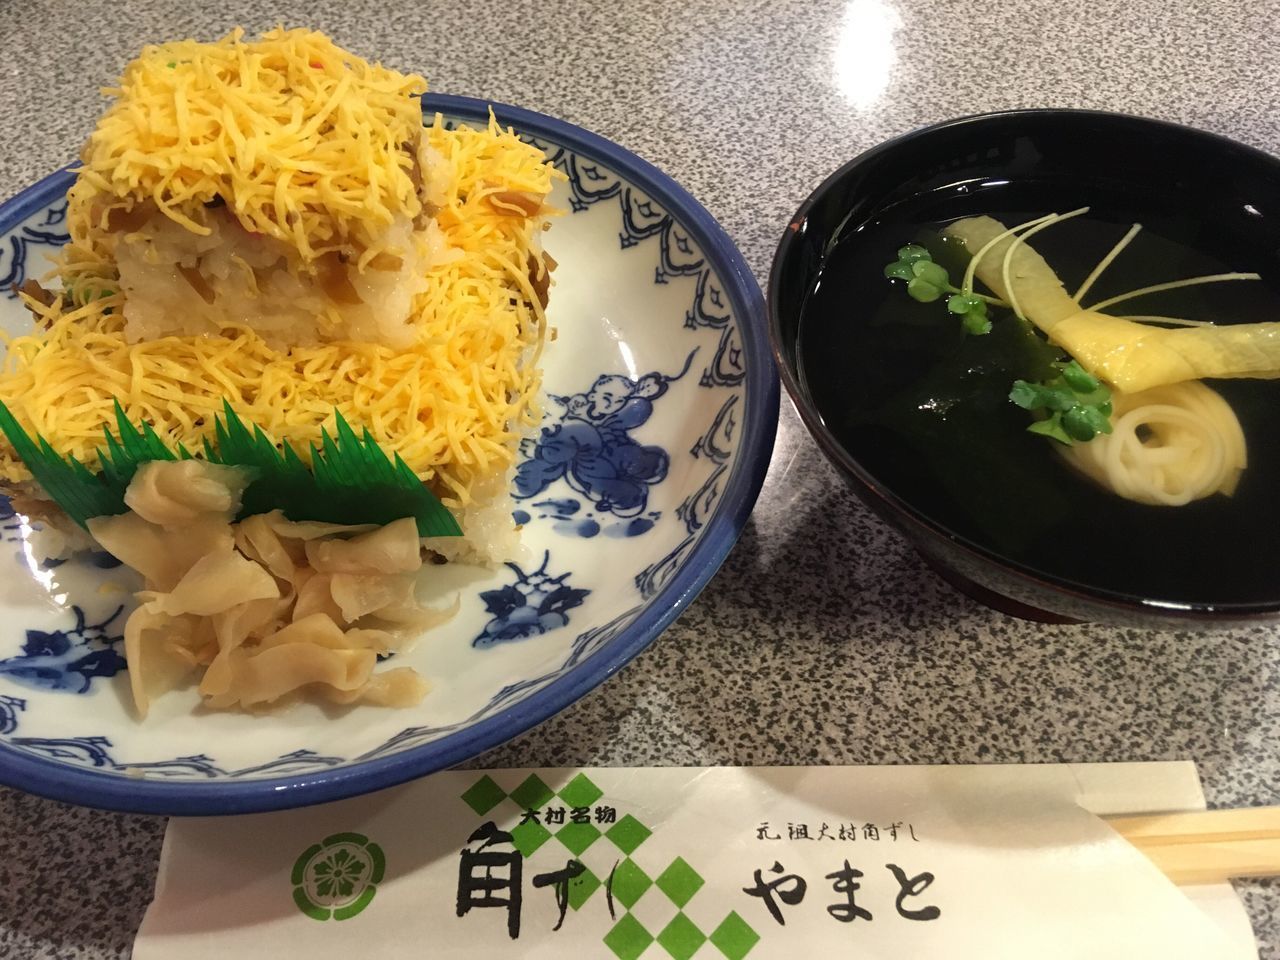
(1202, 187)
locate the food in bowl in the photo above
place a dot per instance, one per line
(293, 343)
(1174, 439)
(1128, 448)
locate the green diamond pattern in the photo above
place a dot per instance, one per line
(629, 883)
(578, 836)
(532, 793)
(734, 937)
(484, 795)
(681, 938)
(580, 792)
(679, 882)
(628, 938)
(582, 887)
(529, 836)
(628, 833)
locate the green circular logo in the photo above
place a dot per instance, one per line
(336, 878)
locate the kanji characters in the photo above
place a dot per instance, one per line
(500, 883)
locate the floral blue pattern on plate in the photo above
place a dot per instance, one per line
(589, 445)
(68, 660)
(660, 414)
(534, 604)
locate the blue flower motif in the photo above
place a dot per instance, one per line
(535, 604)
(66, 660)
(591, 447)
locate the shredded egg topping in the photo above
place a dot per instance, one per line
(452, 405)
(303, 141)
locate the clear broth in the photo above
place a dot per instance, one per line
(925, 410)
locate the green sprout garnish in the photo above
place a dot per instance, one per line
(1074, 404)
(1071, 407)
(350, 480)
(927, 281)
(972, 310)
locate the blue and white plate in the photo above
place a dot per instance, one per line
(659, 424)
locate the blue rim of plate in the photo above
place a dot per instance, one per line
(59, 781)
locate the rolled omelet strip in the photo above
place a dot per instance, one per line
(1129, 356)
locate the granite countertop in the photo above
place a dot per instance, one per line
(824, 638)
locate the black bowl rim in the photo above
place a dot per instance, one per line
(910, 517)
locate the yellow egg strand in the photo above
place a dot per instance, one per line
(274, 127)
(453, 406)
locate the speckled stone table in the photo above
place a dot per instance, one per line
(824, 639)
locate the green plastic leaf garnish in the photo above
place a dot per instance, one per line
(351, 480)
(1076, 406)
(81, 493)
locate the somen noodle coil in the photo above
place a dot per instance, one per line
(1170, 445)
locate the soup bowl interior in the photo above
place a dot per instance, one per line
(1034, 538)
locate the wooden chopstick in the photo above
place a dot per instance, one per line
(1208, 846)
